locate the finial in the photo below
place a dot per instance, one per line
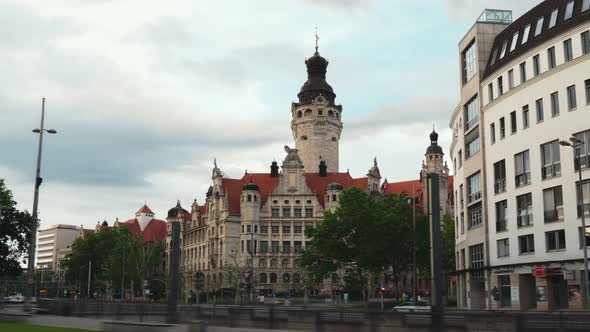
(215, 162)
(375, 162)
(433, 129)
(317, 38)
(246, 172)
(178, 203)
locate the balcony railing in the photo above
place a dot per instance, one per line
(286, 249)
(471, 122)
(263, 250)
(275, 249)
(550, 171)
(522, 179)
(501, 225)
(586, 207)
(474, 197)
(525, 220)
(584, 160)
(554, 214)
(500, 186)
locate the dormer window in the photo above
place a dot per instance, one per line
(525, 34)
(514, 40)
(539, 26)
(503, 52)
(553, 19)
(569, 10)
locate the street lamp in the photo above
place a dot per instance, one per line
(38, 180)
(575, 144)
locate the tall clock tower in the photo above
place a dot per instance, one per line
(316, 123)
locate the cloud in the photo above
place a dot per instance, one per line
(342, 4)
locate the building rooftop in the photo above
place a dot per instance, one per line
(547, 20)
(495, 16)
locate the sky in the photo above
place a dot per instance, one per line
(145, 94)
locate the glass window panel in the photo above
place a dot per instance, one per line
(569, 10)
(513, 43)
(539, 26)
(525, 34)
(553, 18)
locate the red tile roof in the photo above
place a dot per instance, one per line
(87, 231)
(154, 232)
(406, 187)
(203, 210)
(318, 184)
(145, 209)
(233, 188)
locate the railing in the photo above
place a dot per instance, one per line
(501, 225)
(471, 123)
(525, 220)
(500, 186)
(550, 171)
(473, 197)
(522, 179)
(286, 249)
(586, 210)
(584, 160)
(554, 214)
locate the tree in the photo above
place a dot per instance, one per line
(365, 237)
(235, 270)
(448, 244)
(15, 234)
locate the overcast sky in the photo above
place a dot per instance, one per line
(144, 94)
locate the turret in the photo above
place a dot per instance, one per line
(250, 203)
(374, 178)
(332, 197)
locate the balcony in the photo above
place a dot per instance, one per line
(495, 16)
(471, 123)
(500, 186)
(554, 214)
(550, 171)
(522, 179)
(525, 220)
(586, 207)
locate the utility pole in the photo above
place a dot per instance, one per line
(123, 279)
(89, 268)
(33, 235)
(251, 267)
(415, 272)
(174, 273)
(435, 250)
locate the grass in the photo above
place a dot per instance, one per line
(14, 327)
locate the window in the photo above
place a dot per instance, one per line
(263, 229)
(553, 18)
(503, 248)
(297, 229)
(274, 246)
(551, 57)
(567, 50)
(286, 212)
(500, 86)
(525, 116)
(273, 276)
(513, 121)
(286, 229)
(461, 200)
(297, 212)
(472, 144)
(522, 166)
(473, 188)
(583, 235)
(501, 208)
(523, 72)
(585, 205)
(274, 212)
(471, 114)
(587, 88)
(539, 110)
(555, 240)
(550, 160)
(249, 229)
(585, 37)
(525, 35)
(493, 132)
(500, 177)
(503, 52)
(264, 248)
(514, 40)
(275, 229)
(298, 246)
(572, 102)
(584, 137)
(527, 244)
(569, 10)
(524, 210)
(553, 204)
(476, 259)
(539, 26)
(469, 62)
(490, 92)
(510, 79)
(286, 247)
(502, 128)
(494, 54)
(536, 65)
(308, 212)
(474, 215)
(555, 104)
(585, 5)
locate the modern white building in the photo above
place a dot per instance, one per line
(53, 243)
(533, 92)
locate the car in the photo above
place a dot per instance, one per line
(419, 306)
(16, 299)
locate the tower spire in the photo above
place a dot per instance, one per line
(317, 38)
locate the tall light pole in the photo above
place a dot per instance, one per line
(38, 180)
(575, 144)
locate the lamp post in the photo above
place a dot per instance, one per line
(38, 180)
(575, 144)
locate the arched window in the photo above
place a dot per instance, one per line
(286, 278)
(255, 198)
(330, 113)
(220, 279)
(263, 278)
(308, 112)
(334, 198)
(262, 263)
(299, 114)
(296, 278)
(273, 263)
(249, 198)
(273, 278)
(285, 263)
(334, 139)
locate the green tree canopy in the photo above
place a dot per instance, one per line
(15, 234)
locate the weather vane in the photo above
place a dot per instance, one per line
(317, 38)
